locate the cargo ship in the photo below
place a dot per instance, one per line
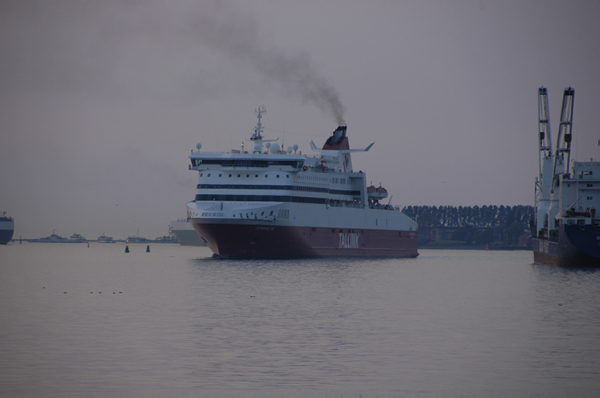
(269, 202)
(7, 228)
(567, 222)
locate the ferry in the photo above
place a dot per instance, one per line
(567, 218)
(53, 238)
(105, 239)
(269, 202)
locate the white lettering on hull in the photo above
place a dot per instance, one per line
(348, 241)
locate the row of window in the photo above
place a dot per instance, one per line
(334, 180)
(260, 198)
(247, 162)
(313, 178)
(281, 187)
(240, 175)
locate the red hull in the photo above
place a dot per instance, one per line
(270, 241)
(543, 258)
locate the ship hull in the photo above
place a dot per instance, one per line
(5, 236)
(7, 228)
(577, 246)
(275, 241)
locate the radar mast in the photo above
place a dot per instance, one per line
(257, 136)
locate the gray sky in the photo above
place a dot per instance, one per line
(101, 102)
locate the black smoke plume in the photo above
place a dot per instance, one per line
(225, 29)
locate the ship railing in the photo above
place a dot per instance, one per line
(345, 203)
(379, 206)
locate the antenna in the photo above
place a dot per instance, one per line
(259, 127)
(257, 136)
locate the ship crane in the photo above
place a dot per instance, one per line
(544, 130)
(563, 147)
(544, 181)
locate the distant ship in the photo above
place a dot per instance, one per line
(77, 238)
(7, 228)
(137, 239)
(165, 239)
(566, 226)
(53, 238)
(269, 202)
(186, 234)
(105, 239)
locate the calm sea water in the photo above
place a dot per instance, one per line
(94, 320)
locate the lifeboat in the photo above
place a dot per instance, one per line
(377, 193)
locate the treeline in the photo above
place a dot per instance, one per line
(491, 225)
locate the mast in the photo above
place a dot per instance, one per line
(257, 137)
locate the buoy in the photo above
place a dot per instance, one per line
(148, 249)
(126, 249)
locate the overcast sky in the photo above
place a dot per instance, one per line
(101, 102)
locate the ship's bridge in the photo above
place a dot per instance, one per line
(208, 161)
(586, 170)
